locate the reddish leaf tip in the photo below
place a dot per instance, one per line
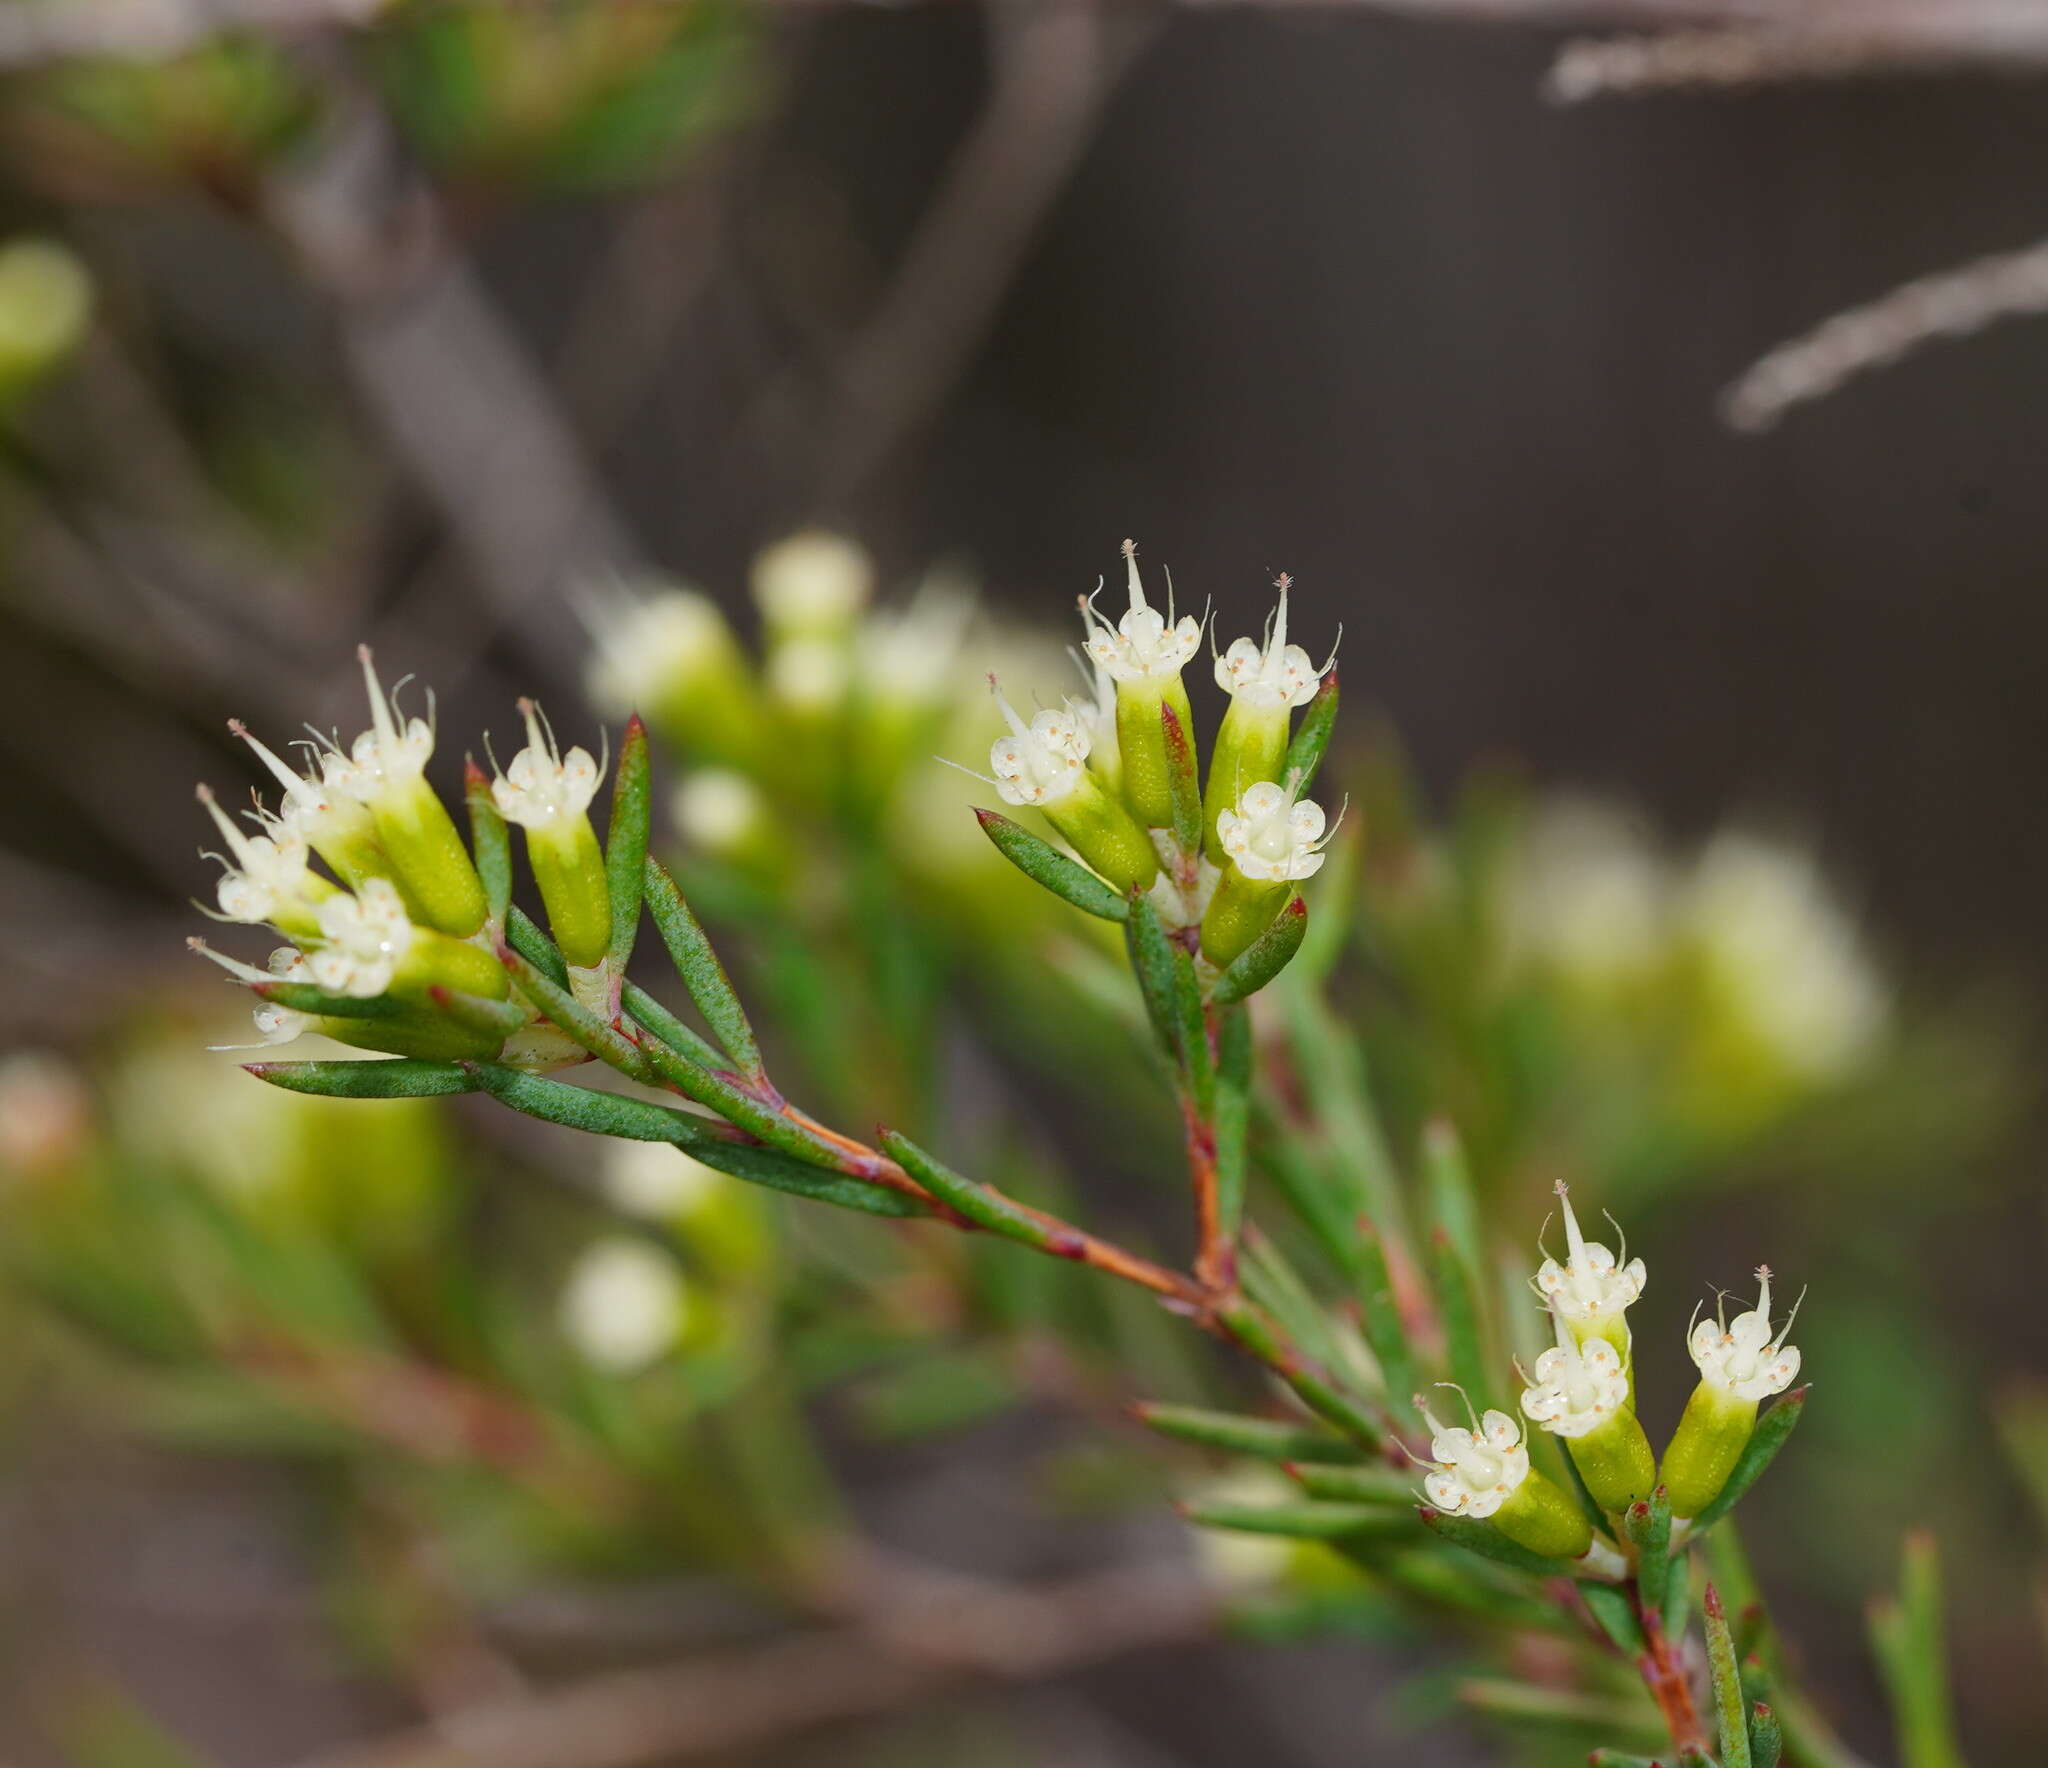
(1713, 1602)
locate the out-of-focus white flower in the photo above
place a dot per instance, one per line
(1144, 645)
(658, 1181)
(1235, 1562)
(1789, 957)
(812, 584)
(643, 646)
(911, 655)
(1475, 1471)
(624, 1304)
(717, 809)
(1272, 837)
(809, 675)
(1743, 1357)
(1588, 893)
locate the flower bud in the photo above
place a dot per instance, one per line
(811, 586)
(1484, 1473)
(1144, 654)
(386, 771)
(673, 658)
(548, 794)
(1270, 841)
(1044, 764)
(1265, 679)
(1581, 1393)
(1741, 1362)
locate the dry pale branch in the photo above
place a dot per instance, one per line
(741, 1699)
(1952, 304)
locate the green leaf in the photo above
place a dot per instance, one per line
(496, 1019)
(1044, 864)
(980, 1205)
(654, 1017)
(400, 1078)
(1379, 1313)
(1307, 1521)
(1449, 1178)
(1356, 1485)
(1265, 1438)
(610, 1114)
(1458, 1310)
(1182, 779)
(1265, 957)
(1312, 1386)
(1647, 1523)
(625, 841)
(1152, 963)
(703, 975)
(525, 938)
(1732, 1721)
(1766, 1736)
(1771, 1432)
(490, 841)
(1305, 753)
(608, 1044)
(1912, 1655)
(1197, 1061)
(1488, 1542)
(1616, 1615)
(748, 1111)
(303, 997)
(1605, 1758)
(1233, 1114)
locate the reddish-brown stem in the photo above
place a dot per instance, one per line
(1663, 1672)
(1215, 1260)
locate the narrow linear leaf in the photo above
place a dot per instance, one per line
(527, 939)
(489, 840)
(1152, 963)
(1233, 1114)
(1912, 1654)
(1265, 957)
(303, 997)
(1731, 1718)
(1771, 1432)
(499, 1019)
(1449, 1179)
(1547, 1705)
(740, 1107)
(1312, 739)
(1183, 782)
(1488, 1542)
(1766, 1736)
(1458, 1310)
(1285, 1160)
(400, 1078)
(1647, 1523)
(703, 975)
(1045, 865)
(562, 1009)
(608, 1114)
(1197, 1060)
(652, 1016)
(1275, 1285)
(980, 1205)
(625, 840)
(1306, 1521)
(1265, 1438)
(1311, 1386)
(1606, 1758)
(1616, 1615)
(1355, 1485)
(1379, 1313)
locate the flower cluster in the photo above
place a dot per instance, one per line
(1116, 774)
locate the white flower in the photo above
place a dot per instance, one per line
(624, 1305)
(659, 1181)
(812, 582)
(1741, 1356)
(275, 1024)
(1270, 674)
(1790, 957)
(1272, 837)
(644, 647)
(911, 655)
(364, 937)
(1475, 1471)
(394, 750)
(269, 876)
(315, 806)
(1040, 762)
(1589, 893)
(1577, 1388)
(1589, 1287)
(1145, 644)
(543, 788)
(809, 675)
